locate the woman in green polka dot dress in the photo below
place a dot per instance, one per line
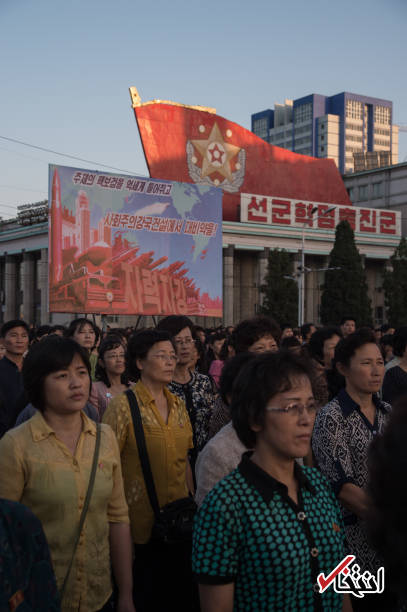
(265, 532)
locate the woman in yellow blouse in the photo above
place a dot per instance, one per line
(45, 463)
(151, 361)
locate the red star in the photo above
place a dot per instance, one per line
(216, 150)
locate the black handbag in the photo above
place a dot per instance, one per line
(173, 522)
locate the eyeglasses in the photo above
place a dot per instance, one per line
(294, 409)
(181, 341)
(165, 357)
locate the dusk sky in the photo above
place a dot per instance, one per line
(66, 68)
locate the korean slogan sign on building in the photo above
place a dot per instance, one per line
(297, 213)
(130, 245)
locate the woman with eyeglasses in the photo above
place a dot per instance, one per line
(265, 532)
(162, 574)
(111, 375)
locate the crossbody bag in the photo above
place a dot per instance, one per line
(174, 521)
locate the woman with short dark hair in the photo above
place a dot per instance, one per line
(111, 375)
(161, 572)
(266, 531)
(256, 335)
(46, 462)
(343, 432)
(85, 333)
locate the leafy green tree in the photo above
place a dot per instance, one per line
(280, 293)
(345, 290)
(395, 286)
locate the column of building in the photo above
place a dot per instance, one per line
(28, 286)
(43, 285)
(10, 288)
(263, 261)
(296, 275)
(228, 257)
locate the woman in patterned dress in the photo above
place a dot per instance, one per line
(344, 429)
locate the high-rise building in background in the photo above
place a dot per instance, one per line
(356, 131)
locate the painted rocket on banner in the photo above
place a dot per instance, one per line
(193, 144)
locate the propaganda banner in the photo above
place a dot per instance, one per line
(131, 245)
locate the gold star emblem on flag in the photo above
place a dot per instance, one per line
(216, 154)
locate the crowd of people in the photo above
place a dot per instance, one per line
(185, 468)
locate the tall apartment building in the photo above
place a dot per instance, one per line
(356, 131)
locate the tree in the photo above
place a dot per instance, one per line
(345, 290)
(395, 286)
(280, 293)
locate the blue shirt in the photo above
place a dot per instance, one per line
(27, 580)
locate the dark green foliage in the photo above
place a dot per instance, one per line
(395, 286)
(345, 291)
(280, 294)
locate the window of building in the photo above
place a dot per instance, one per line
(351, 192)
(303, 113)
(352, 125)
(353, 109)
(382, 114)
(377, 190)
(260, 127)
(363, 192)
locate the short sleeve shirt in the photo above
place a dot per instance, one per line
(167, 447)
(340, 441)
(38, 470)
(249, 531)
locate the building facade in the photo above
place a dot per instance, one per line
(349, 128)
(265, 223)
(380, 188)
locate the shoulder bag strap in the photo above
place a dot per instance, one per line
(142, 451)
(85, 505)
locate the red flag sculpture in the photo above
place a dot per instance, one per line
(193, 144)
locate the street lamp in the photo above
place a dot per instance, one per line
(302, 270)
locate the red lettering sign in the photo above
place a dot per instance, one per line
(349, 215)
(326, 220)
(257, 210)
(303, 213)
(367, 221)
(281, 211)
(388, 223)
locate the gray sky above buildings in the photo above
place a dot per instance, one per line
(66, 67)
